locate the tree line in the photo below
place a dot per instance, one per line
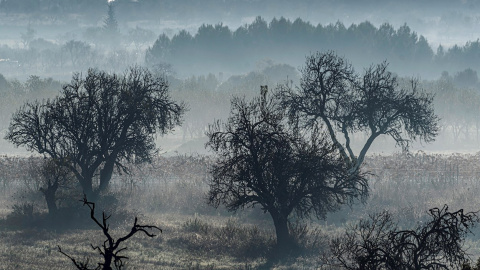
(213, 48)
(285, 41)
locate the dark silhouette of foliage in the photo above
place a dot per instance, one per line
(110, 250)
(263, 159)
(260, 40)
(98, 123)
(378, 243)
(78, 51)
(468, 266)
(375, 103)
(159, 52)
(466, 78)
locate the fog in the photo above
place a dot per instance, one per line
(140, 23)
(226, 47)
(209, 52)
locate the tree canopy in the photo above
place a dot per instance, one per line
(99, 122)
(264, 159)
(374, 103)
(379, 243)
(261, 39)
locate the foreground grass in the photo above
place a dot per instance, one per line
(187, 242)
(171, 195)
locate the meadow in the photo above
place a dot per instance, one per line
(171, 193)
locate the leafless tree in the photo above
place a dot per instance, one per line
(78, 51)
(51, 176)
(263, 159)
(110, 249)
(98, 123)
(378, 243)
(332, 93)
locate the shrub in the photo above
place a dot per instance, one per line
(378, 243)
(24, 215)
(231, 238)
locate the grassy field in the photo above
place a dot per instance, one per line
(187, 242)
(170, 194)
(37, 249)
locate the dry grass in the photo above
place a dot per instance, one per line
(218, 245)
(170, 193)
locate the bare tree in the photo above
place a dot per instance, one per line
(263, 159)
(110, 27)
(375, 104)
(52, 176)
(110, 250)
(28, 36)
(98, 123)
(378, 243)
(78, 51)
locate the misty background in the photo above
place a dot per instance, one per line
(210, 50)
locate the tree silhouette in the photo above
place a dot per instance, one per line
(51, 176)
(98, 123)
(159, 52)
(375, 103)
(263, 159)
(78, 51)
(28, 36)
(110, 26)
(110, 249)
(378, 243)
(218, 45)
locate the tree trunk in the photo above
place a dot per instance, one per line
(87, 187)
(106, 174)
(108, 257)
(285, 243)
(50, 198)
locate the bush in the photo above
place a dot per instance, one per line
(378, 243)
(467, 266)
(231, 238)
(196, 226)
(245, 242)
(309, 241)
(24, 215)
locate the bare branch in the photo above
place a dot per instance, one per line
(110, 248)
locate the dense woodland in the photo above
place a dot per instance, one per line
(214, 47)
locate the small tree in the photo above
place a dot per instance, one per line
(110, 249)
(346, 103)
(78, 51)
(28, 36)
(263, 159)
(378, 243)
(52, 177)
(98, 123)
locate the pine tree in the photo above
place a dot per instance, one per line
(110, 27)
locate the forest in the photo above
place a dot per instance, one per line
(202, 135)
